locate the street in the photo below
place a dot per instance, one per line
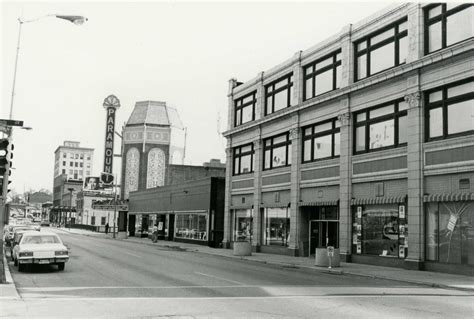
(116, 278)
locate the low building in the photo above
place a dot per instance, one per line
(191, 211)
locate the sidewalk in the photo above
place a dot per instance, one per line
(433, 279)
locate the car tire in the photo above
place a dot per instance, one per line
(61, 266)
(21, 267)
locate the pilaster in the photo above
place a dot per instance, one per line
(416, 251)
(230, 108)
(228, 189)
(260, 104)
(295, 213)
(298, 81)
(345, 182)
(347, 61)
(415, 32)
(257, 192)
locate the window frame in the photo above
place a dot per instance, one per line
(312, 75)
(238, 156)
(368, 122)
(287, 87)
(442, 17)
(314, 135)
(444, 103)
(272, 146)
(244, 105)
(395, 38)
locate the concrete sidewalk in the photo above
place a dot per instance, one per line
(433, 279)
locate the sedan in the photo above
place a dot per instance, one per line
(40, 248)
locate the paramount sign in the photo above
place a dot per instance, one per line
(111, 104)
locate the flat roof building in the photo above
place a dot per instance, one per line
(363, 142)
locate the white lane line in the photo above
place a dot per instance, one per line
(133, 255)
(220, 278)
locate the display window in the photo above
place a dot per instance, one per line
(191, 226)
(380, 230)
(277, 226)
(450, 232)
(242, 225)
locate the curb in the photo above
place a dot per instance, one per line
(9, 284)
(313, 268)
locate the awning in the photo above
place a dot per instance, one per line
(378, 200)
(320, 203)
(448, 197)
(275, 205)
(241, 206)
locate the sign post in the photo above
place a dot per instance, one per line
(330, 254)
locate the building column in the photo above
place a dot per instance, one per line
(415, 215)
(227, 198)
(295, 211)
(415, 32)
(257, 193)
(345, 182)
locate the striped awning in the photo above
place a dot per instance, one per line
(320, 203)
(378, 200)
(448, 197)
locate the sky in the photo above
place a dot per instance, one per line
(183, 53)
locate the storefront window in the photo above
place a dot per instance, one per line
(380, 230)
(277, 226)
(191, 226)
(450, 232)
(243, 225)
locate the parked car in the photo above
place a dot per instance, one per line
(10, 232)
(40, 248)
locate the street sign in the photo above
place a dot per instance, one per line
(107, 179)
(11, 122)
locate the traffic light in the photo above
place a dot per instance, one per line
(2, 178)
(6, 155)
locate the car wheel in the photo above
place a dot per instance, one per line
(21, 267)
(61, 266)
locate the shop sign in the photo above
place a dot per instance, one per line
(401, 251)
(359, 211)
(111, 104)
(452, 222)
(160, 226)
(401, 211)
(359, 249)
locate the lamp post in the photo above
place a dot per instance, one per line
(70, 189)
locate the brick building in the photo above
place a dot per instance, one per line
(363, 142)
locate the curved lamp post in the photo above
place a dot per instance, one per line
(77, 20)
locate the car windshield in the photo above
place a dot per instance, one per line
(44, 239)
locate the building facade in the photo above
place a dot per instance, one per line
(364, 142)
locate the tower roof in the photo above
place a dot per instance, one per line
(154, 113)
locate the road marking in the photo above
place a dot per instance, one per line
(133, 255)
(220, 278)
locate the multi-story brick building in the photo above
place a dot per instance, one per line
(364, 142)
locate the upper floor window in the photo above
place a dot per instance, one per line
(383, 50)
(278, 94)
(321, 140)
(245, 109)
(450, 110)
(381, 127)
(64, 155)
(81, 156)
(323, 75)
(277, 151)
(243, 159)
(447, 24)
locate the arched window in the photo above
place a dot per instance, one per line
(155, 168)
(131, 171)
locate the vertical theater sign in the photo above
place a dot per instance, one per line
(111, 104)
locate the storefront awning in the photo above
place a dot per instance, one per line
(275, 205)
(448, 197)
(241, 206)
(321, 203)
(378, 200)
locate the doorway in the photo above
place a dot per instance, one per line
(323, 233)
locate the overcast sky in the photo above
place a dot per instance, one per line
(182, 53)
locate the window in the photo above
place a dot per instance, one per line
(245, 109)
(88, 173)
(381, 127)
(277, 226)
(64, 171)
(64, 155)
(323, 75)
(191, 226)
(71, 172)
(81, 156)
(102, 220)
(243, 159)
(72, 156)
(64, 163)
(88, 157)
(277, 151)
(321, 141)
(450, 110)
(92, 220)
(278, 94)
(71, 164)
(383, 50)
(76, 164)
(447, 24)
(77, 156)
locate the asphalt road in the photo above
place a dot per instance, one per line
(109, 278)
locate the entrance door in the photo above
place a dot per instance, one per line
(131, 225)
(323, 234)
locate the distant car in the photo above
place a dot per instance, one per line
(40, 248)
(9, 232)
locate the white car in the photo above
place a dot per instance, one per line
(40, 248)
